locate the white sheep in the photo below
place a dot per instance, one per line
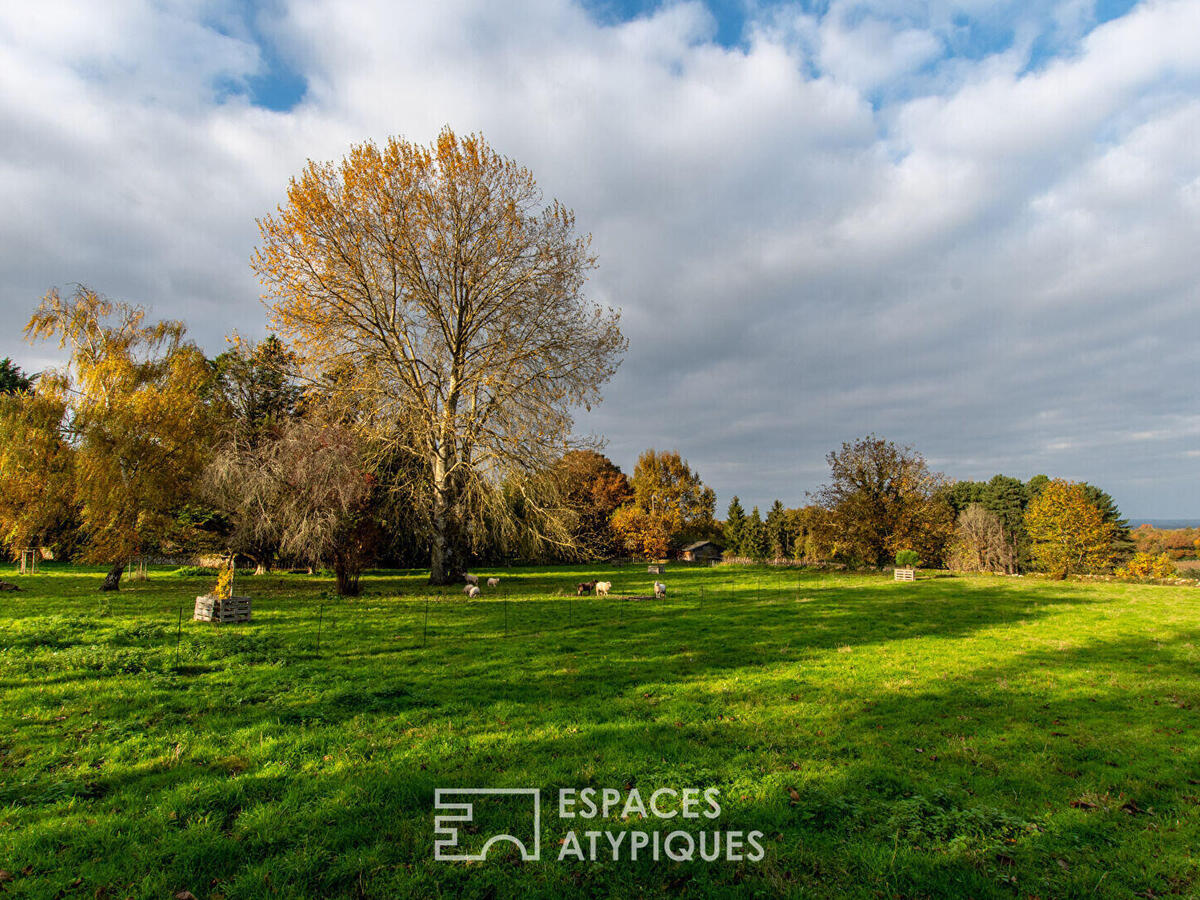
(467, 589)
(472, 579)
(472, 591)
(493, 582)
(602, 588)
(660, 590)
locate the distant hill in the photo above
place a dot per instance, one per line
(1165, 524)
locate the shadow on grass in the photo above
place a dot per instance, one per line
(943, 789)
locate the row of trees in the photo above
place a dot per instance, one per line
(147, 446)
(1176, 543)
(144, 445)
(437, 340)
(434, 339)
(882, 499)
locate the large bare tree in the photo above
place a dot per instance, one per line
(306, 489)
(449, 301)
(981, 544)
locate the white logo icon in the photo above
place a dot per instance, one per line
(446, 833)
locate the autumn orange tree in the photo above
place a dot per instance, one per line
(594, 488)
(664, 482)
(1069, 533)
(670, 504)
(37, 468)
(132, 408)
(645, 534)
(452, 297)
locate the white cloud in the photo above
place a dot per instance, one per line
(868, 52)
(826, 231)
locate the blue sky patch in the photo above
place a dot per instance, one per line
(277, 85)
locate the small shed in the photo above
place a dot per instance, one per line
(701, 551)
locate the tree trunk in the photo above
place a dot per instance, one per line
(262, 562)
(447, 563)
(112, 581)
(347, 581)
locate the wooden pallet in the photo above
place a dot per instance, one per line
(905, 575)
(213, 609)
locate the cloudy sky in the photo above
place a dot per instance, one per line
(969, 226)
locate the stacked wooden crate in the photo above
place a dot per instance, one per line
(215, 609)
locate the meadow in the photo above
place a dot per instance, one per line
(953, 737)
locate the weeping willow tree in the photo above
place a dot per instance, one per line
(132, 408)
(451, 297)
(37, 467)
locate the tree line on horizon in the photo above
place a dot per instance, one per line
(882, 499)
(414, 405)
(237, 456)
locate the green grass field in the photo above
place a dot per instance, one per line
(956, 737)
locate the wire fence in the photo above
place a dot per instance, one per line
(137, 631)
(330, 626)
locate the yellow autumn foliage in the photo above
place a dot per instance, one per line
(1147, 565)
(132, 408)
(1069, 533)
(448, 299)
(224, 588)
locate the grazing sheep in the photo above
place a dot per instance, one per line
(493, 582)
(584, 587)
(660, 590)
(472, 591)
(602, 588)
(472, 579)
(467, 589)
